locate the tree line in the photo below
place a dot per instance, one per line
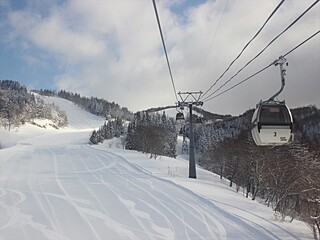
(97, 106)
(152, 133)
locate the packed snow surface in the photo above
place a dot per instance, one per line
(56, 186)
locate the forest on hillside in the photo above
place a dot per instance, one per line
(18, 106)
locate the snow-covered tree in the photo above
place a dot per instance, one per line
(18, 107)
(152, 133)
(108, 130)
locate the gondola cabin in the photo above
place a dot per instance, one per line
(272, 124)
(179, 117)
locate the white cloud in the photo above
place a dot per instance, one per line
(52, 35)
(112, 49)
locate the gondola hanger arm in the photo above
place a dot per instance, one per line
(281, 61)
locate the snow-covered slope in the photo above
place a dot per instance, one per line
(55, 186)
(77, 118)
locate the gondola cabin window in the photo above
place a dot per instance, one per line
(274, 115)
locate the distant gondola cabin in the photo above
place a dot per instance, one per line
(180, 117)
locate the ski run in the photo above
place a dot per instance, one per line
(56, 186)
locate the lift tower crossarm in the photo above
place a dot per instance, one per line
(194, 95)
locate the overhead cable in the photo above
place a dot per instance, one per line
(295, 21)
(165, 49)
(313, 35)
(261, 70)
(273, 12)
(212, 41)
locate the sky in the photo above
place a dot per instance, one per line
(112, 49)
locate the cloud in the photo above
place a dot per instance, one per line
(52, 35)
(112, 49)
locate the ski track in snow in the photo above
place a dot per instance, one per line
(54, 186)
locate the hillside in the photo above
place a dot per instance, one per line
(19, 106)
(55, 186)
